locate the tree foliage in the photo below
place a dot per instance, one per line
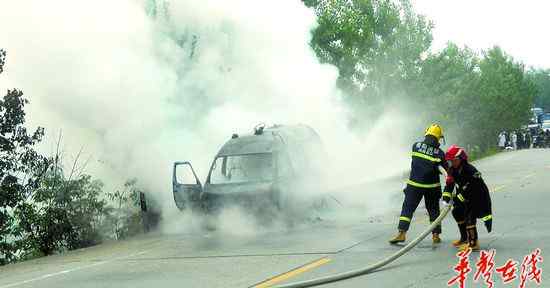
(43, 208)
(377, 46)
(20, 166)
(477, 95)
(449, 80)
(64, 214)
(382, 51)
(505, 96)
(541, 79)
(125, 216)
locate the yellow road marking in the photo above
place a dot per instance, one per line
(282, 277)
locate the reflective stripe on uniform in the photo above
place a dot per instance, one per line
(403, 218)
(460, 197)
(471, 227)
(420, 185)
(424, 156)
(447, 194)
(487, 218)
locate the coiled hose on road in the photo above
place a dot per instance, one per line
(373, 267)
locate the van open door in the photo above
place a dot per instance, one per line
(186, 185)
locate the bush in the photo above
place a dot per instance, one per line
(44, 210)
(125, 216)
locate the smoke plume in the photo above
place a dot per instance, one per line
(141, 84)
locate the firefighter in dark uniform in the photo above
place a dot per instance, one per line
(427, 157)
(471, 201)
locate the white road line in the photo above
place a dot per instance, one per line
(528, 176)
(71, 270)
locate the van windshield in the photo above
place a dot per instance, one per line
(242, 168)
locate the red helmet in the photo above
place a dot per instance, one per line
(456, 152)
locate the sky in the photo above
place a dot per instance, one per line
(519, 27)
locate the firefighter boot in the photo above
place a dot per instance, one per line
(473, 242)
(400, 237)
(463, 235)
(435, 238)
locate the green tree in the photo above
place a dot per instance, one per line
(475, 96)
(541, 79)
(64, 213)
(20, 167)
(450, 81)
(381, 48)
(41, 210)
(505, 96)
(377, 45)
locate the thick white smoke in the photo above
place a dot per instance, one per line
(142, 84)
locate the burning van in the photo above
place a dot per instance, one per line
(266, 168)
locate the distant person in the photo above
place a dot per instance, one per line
(521, 140)
(514, 138)
(471, 201)
(528, 139)
(502, 140)
(539, 143)
(423, 181)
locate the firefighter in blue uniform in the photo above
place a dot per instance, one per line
(427, 157)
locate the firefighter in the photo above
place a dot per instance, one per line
(423, 181)
(471, 201)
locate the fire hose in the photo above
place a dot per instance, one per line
(372, 267)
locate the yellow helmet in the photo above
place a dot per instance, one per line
(436, 131)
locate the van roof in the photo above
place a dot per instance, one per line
(249, 144)
(266, 141)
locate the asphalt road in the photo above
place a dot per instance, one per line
(521, 198)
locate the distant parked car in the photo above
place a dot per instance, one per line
(545, 117)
